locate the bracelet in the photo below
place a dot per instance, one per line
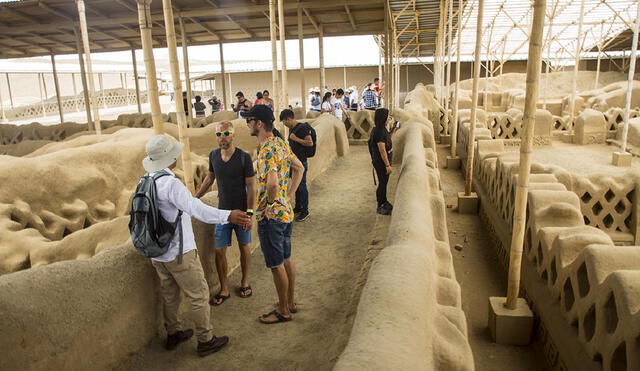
(250, 212)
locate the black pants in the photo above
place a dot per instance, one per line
(383, 179)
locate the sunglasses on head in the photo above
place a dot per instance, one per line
(226, 133)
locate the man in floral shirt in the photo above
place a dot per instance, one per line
(278, 175)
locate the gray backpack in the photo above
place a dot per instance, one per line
(151, 234)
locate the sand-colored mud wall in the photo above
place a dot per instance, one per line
(573, 275)
(91, 312)
(409, 316)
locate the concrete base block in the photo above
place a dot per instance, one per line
(445, 139)
(622, 159)
(566, 137)
(507, 326)
(467, 204)
(454, 162)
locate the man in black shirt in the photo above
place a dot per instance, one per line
(243, 105)
(299, 138)
(233, 169)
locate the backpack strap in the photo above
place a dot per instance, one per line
(181, 248)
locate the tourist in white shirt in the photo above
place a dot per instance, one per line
(338, 104)
(326, 103)
(171, 197)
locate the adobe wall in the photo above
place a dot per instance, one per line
(409, 316)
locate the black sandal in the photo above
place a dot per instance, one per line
(279, 316)
(218, 297)
(243, 291)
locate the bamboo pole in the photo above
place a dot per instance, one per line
(40, 81)
(101, 84)
(275, 89)
(75, 92)
(454, 131)
(56, 84)
(534, 65)
(323, 83)
(485, 95)
(303, 91)
(474, 101)
(151, 82)
(344, 77)
(224, 82)
(547, 64)
(183, 134)
(574, 82)
(283, 57)
(3, 116)
(83, 79)
(135, 77)
(187, 78)
(595, 84)
(387, 62)
(448, 77)
(380, 57)
(632, 69)
(6, 75)
(87, 51)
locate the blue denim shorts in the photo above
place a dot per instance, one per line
(275, 241)
(223, 235)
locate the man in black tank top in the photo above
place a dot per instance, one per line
(243, 105)
(232, 168)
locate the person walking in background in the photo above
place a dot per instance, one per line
(378, 89)
(338, 105)
(215, 104)
(259, 99)
(300, 140)
(326, 105)
(186, 103)
(353, 98)
(266, 100)
(369, 98)
(179, 268)
(243, 105)
(314, 100)
(199, 107)
(232, 168)
(279, 173)
(381, 151)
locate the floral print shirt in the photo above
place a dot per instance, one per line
(274, 155)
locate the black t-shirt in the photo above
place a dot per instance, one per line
(230, 175)
(379, 136)
(186, 106)
(301, 130)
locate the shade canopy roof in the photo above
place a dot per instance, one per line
(31, 28)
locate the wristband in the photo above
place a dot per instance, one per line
(250, 212)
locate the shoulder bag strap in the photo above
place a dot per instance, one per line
(181, 249)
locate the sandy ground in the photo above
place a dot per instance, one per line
(480, 275)
(329, 250)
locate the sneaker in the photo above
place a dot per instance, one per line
(302, 216)
(173, 340)
(212, 346)
(388, 205)
(383, 210)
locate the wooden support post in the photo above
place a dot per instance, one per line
(83, 79)
(56, 83)
(344, 78)
(485, 96)
(448, 77)
(151, 82)
(40, 80)
(187, 77)
(595, 83)
(547, 64)
(6, 75)
(474, 101)
(574, 86)
(135, 78)
(87, 51)
(225, 100)
(101, 85)
(323, 82)
(387, 64)
(454, 129)
(75, 92)
(380, 57)
(183, 134)
(3, 116)
(283, 58)
(632, 68)
(534, 65)
(303, 91)
(275, 88)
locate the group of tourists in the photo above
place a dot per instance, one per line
(340, 101)
(280, 172)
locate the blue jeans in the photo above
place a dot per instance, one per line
(275, 241)
(302, 193)
(224, 231)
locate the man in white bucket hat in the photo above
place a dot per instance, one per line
(172, 196)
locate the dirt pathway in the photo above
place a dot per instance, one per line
(480, 275)
(329, 250)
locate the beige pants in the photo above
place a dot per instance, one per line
(188, 277)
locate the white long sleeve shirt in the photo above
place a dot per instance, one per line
(173, 196)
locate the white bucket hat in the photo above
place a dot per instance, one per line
(161, 152)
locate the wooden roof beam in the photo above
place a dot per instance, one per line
(311, 19)
(353, 22)
(230, 19)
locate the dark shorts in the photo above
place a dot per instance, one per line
(275, 241)
(224, 231)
